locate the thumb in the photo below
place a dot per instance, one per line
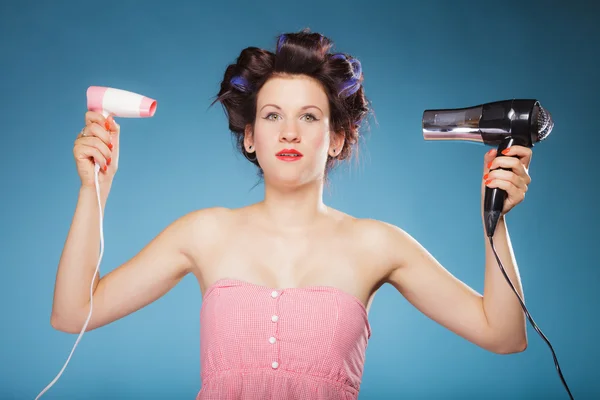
(488, 158)
(111, 125)
(113, 128)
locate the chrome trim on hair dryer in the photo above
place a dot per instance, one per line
(453, 124)
(525, 120)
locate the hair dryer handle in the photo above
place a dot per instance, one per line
(494, 198)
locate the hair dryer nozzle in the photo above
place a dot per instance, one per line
(120, 103)
(452, 124)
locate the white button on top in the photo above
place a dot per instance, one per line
(274, 294)
(272, 340)
(274, 318)
(275, 364)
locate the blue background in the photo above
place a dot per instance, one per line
(415, 56)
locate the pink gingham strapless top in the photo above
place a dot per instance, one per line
(290, 344)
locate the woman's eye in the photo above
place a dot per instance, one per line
(273, 117)
(311, 117)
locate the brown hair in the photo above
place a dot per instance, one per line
(301, 53)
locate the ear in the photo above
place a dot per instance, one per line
(336, 143)
(248, 138)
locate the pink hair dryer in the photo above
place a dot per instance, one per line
(119, 103)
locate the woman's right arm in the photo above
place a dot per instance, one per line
(150, 274)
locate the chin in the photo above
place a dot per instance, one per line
(285, 181)
(289, 178)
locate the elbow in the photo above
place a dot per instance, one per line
(56, 323)
(60, 325)
(508, 341)
(512, 350)
(510, 347)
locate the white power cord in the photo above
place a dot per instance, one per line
(96, 171)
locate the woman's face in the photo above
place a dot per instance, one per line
(292, 113)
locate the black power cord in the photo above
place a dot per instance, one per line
(529, 317)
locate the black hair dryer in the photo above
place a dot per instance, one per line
(503, 123)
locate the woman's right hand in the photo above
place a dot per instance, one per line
(98, 142)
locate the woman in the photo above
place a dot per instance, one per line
(288, 281)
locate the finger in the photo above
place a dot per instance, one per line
(98, 144)
(507, 162)
(114, 130)
(489, 156)
(513, 165)
(95, 130)
(487, 159)
(111, 125)
(514, 194)
(521, 152)
(508, 176)
(86, 151)
(94, 117)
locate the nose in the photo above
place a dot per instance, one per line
(289, 133)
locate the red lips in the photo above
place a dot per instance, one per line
(289, 155)
(288, 151)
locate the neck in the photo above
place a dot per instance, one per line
(293, 208)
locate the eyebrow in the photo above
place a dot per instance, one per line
(303, 108)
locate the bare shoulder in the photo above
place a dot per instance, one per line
(208, 231)
(205, 227)
(373, 229)
(391, 244)
(207, 221)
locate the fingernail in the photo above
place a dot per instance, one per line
(505, 151)
(488, 181)
(105, 167)
(110, 146)
(109, 122)
(489, 165)
(486, 176)
(108, 161)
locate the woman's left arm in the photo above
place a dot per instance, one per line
(494, 321)
(501, 306)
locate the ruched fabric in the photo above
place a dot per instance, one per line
(264, 343)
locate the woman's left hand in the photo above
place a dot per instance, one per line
(515, 181)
